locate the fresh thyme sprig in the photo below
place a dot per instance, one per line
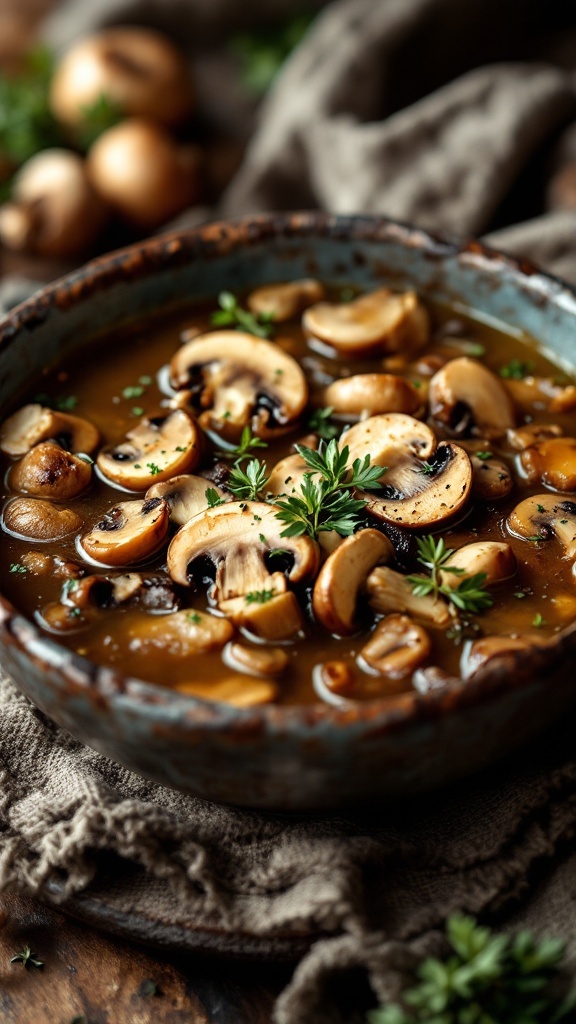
(248, 484)
(27, 958)
(516, 369)
(485, 979)
(468, 596)
(231, 314)
(325, 502)
(248, 442)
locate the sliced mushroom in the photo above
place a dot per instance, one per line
(35, 519)
(492, 479)
(544, 516)
(288, 475)
(494, 558)
(239, 691)
(397, 647)
(369, 394)
(532, 433)
(542, 393)
(465, 397)
(382, 320)
(180, 634)
(488, 648)
(130, 532)
(159, 448)
(257, 661)
(47, 471)
(342, 577)
(552, 463)
(40, 564)
(284, 301)
(240, 381)
(186, 496)
(389, 591)
(423, 484)
(236, 538)
(337, 677)
(34, 423)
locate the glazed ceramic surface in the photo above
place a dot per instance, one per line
(277, 757)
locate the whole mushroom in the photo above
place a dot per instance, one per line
(55, 210)
(466, 397)
(143, 173)
(137, 70)
(382, 320)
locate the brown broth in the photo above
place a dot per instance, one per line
(98, 382)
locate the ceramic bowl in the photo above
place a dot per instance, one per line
(286, 758)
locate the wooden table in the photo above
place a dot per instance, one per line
(92, 978)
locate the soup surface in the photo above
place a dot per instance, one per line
(295, 495)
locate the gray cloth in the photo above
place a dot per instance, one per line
(450, 114)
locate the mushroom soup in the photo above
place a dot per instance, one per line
(302, 494)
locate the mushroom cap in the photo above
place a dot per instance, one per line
(159, 448)
(544, 516)
(370, 394)
(492, 479)
(465, 395)
(342, 577)
(180, 634)
(34, 423)
(230, 535)
(551, 462)
(397, 647)
(243, 379)
(494, 558)
(284, 301)
(137, 69)
(411, 495)
(381, 319)
(186, 495)
(35, 519)
(532, 433)
(47, 471)
(130, 532)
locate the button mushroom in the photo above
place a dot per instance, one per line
(34, 519)
(389, 591)
(239, 691)
(180, 634)
(537, 393)
(159, 448)
(381, 320)
(342, 577)
(130, 532)
(186, 496)
(552, 463)
(492, 480)
(424, 484)
(490, 648)
(34, 423)
(47, 471)
(494, 558)
(284, 301)
(465, 397)
(369, 394)
(542, 517)
(139, 71)
(240, 381)
(532, 433)
(237, 538)
(257, 661)
(397, 647)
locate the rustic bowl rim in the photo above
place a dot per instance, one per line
(506, 673)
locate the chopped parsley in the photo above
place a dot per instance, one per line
(259, 596)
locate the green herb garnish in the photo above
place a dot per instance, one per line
(194, 617)
(213, 498)
(539, 620)
(27, 958)
(231, 314)
(26, 122)
(263, 51)
(154, 469)
(484, 455)
(468, 596)
(17, 567)
(484, 979)
(516, 369)
(97, 117)
(324, 502)
(248, 483)
(133, 391)
(427, 469)
(259, 596)
(248, 442)
(322, 425)
(65, 403)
